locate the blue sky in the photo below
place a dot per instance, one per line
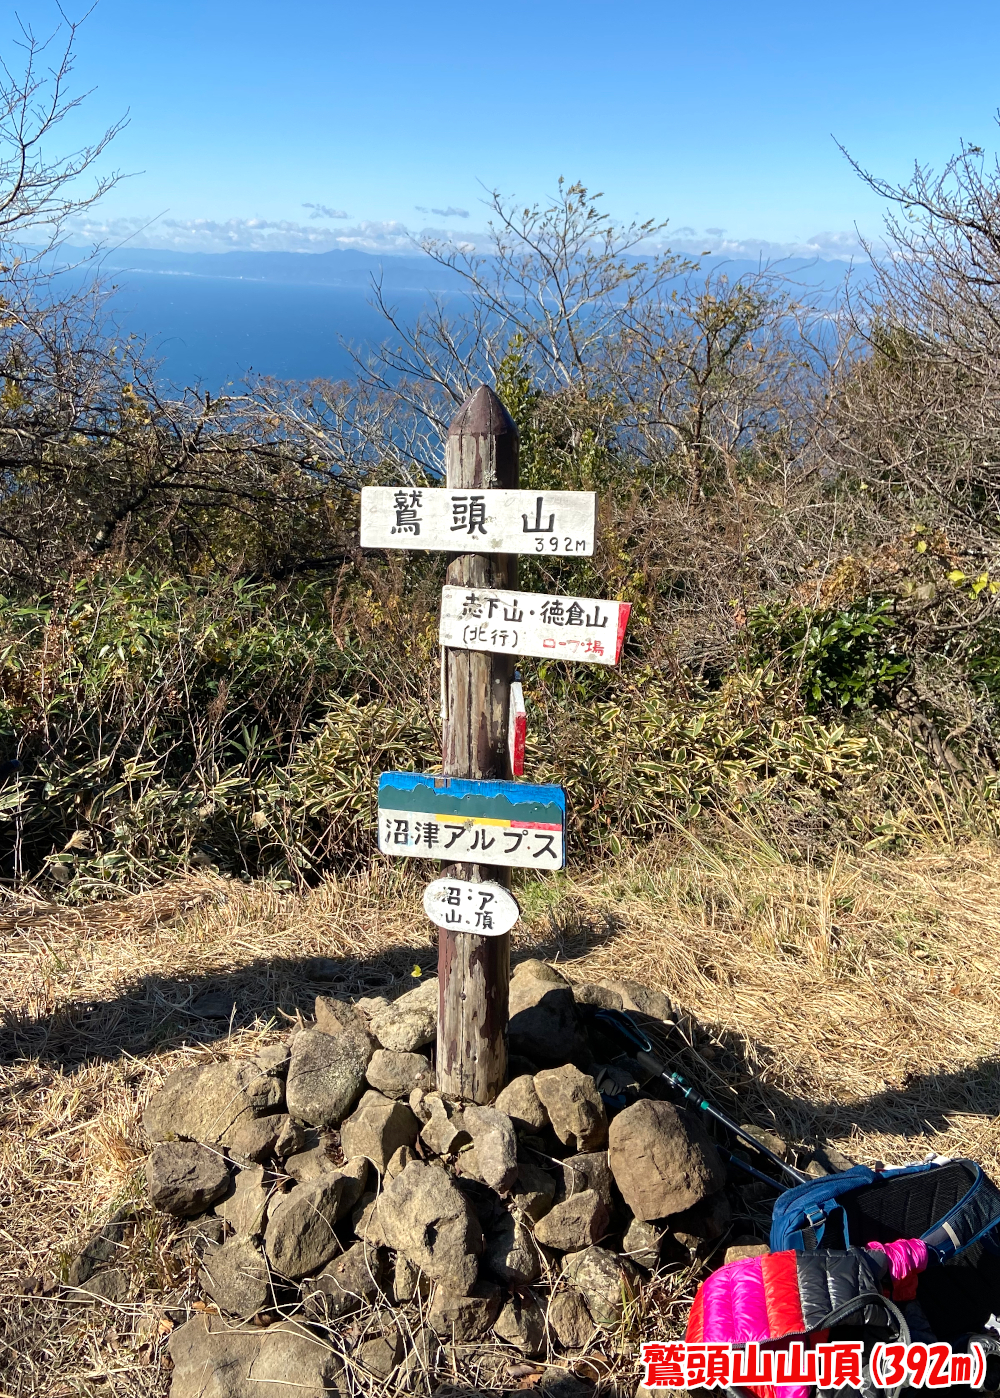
(716, 116)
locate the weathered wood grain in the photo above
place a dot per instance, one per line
(481, 451)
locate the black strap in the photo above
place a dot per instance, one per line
(869, 1298)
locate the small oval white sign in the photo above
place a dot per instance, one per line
(485, 908)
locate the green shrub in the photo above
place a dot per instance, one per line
(838, 657)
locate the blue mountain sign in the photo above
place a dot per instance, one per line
(469, 822)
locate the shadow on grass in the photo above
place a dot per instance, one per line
(917, 1108)
(158, 1012)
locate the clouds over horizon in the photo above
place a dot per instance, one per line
(245, 235)
(827, 247)
(392, 237)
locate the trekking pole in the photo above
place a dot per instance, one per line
(758, 1175)
(628, 1029)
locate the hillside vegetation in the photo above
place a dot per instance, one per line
(199, 665)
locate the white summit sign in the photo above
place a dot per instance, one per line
(533, 623)
(557, 523)
(485, 908)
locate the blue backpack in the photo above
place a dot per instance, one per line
(950, 1204)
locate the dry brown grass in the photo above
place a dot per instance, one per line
(854, 1002)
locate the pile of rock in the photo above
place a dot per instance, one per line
(345, 1212)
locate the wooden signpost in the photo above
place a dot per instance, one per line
(471, 814)
(532, 623)
(554, 522)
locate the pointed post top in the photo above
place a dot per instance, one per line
(482, 415)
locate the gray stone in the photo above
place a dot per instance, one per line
(575, 1223)
(641, 1244)
(399, 1160)
(212, 1359)
(202, 1231)
(495, 1140)
(409, 1022)
(326, 1075)
(366, 1223)
(462, 1318)
(273, 1060)
(574, 1106)
(339, 1016)
(424, 1215)
(467, 1164)
(636, 996)
(111, 1286)
(311, 1165)
(662, 1159)
(204, 1103)
(534, 1191)
(605, 1281)
(519, 1101)
(738, 1251)
(588, 1171)
(104, 1246)
(545, 1023)
(234, 1274)
(383, 1353)
(539, 970)
(510, 1254)
(405, 1279)
(291, 1138)
(559, 1383)
(377, 1129)
(211, 1004)
(245, 1206)
(569, 1318)
(443, 1132)
(832, 1159)
(355, 1172)
(185, 1178)
(397, 1074)
(606, 997)
(422, 1364)
(776, 1144)
(253, 1138)
(354, 1278)
(521, 1323)
(299, 1238)
(372, 1004)
(704, 1222)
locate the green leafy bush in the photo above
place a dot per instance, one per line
(838, 657)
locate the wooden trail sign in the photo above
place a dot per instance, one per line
(509, 824)
(517, 730)
(483, 908)
(481, 453)
(532, 623)
(552, 522)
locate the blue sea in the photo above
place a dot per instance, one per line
(210, 319)
(210, 331)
